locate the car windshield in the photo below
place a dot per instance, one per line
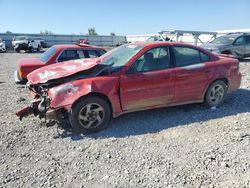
(20, 38)
(119, 56)
(48, 54)
(224, 40)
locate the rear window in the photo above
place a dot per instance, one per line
(48, 54)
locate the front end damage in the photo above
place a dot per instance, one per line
(55, 88)
(40, 105)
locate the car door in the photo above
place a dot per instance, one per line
(239, 48)
(149, 82)
(193, 73)
(248, 45)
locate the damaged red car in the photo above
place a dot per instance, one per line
(129, 78)
(55, 54)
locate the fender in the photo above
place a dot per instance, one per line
(66, 94)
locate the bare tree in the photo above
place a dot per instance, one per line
(91, 31)
(46, 32)
(112, 34)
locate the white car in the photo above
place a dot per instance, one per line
(25, 43)
(2, 46)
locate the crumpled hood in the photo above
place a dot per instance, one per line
(60, 70)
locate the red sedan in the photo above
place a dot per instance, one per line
(130, 78)
(55, 54)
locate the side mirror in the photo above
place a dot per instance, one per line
(129, 71)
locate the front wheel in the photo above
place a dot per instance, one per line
(215, 94)
(89, 115)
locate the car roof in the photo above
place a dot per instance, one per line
(160, 43)
(60, 46)
(233, 35)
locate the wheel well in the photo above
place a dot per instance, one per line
(225, 80)
(100, 95)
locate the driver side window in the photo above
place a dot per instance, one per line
(154, 59)
(240, 41)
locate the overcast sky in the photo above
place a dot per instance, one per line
(122, 17)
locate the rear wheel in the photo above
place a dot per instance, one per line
(31, 49)
(38, 48)
(89, 115)
(215, 94)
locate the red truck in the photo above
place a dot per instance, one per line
(129, 78)
(55, 54)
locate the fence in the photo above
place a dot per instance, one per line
(51, 40)
(185, 38)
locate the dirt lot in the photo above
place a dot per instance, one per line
(185, 146)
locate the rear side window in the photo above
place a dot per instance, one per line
(68, 55)
(79, 54)
(93, 53)
(248, 39)
(185, 56)
(240, 41)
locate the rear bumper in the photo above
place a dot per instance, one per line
(234, 82)
(16, 77)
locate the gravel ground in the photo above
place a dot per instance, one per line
(185, 146)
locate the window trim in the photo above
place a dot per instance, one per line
(183, 46)
(128, 71)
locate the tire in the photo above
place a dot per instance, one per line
(31, 49)
(215, 94)
(17, 50)
(38, 48)
(90, 115)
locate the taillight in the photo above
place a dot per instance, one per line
(20, 72)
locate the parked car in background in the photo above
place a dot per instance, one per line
(42, 42)
(55, 54)
(83, 41)
(237, 44)
(25, 43)
(129, 78)
(2, 46)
